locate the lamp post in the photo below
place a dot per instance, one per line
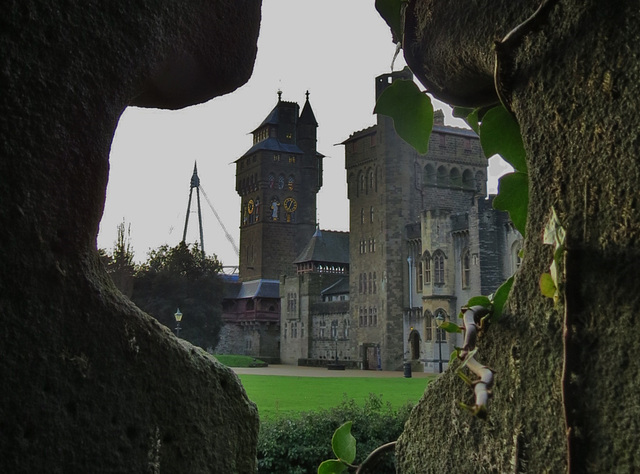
(439, 320)
(178, 317)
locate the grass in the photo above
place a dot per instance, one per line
(278, 396)
(238, 360)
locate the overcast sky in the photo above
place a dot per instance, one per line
(332, 48)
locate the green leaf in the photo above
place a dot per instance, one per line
(483, 301)
(500, 298)
(344, 444)
(332, 466)
(469, 115)
(513, 197)
(500, 134)
(547, 287)
(453, 356)
(411, 111)
(450, 327)
(391, 12)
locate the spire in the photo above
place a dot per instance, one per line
(195, 180)
(307, 116)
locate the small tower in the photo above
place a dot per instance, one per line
(195, 183)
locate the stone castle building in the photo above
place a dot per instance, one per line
(423, 239)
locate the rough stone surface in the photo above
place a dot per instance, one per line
(574, 87)
(90, 383)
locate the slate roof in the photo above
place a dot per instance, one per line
(340, 287)
(273, 144)
(254, 289)
(326, 246)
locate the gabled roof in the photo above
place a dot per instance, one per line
(326, 246)
(361, 133)
(254, 289)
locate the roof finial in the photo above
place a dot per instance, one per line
(307, 94)
(279, 95)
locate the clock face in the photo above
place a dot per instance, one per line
(250, 206)
(290, 204)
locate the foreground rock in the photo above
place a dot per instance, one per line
(90, 383)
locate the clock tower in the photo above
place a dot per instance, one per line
(278, 179)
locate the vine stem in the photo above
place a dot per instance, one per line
(374, 455)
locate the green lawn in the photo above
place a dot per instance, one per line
(278, 395)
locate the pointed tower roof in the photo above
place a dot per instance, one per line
(307, 116)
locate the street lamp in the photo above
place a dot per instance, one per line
(439, 320)
(178, 317)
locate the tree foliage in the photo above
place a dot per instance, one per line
(119, 264)
(185, 278)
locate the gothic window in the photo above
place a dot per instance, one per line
(370, 180)
(419, 276)
(362, 184)
(374, 283)
(426, 263)
(347, 325)
(375, 316)
(370, 316)
(285, 330)
(322, 326)
(370, 283)
(290, 183)
(281, 182)
(428, 322)
(371, 214)
(466, 269)
(257, 209)
(272, 180)
(362, 215)
(438, 268)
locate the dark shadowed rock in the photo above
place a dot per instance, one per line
(89, 382)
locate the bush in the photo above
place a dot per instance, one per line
(299, 445)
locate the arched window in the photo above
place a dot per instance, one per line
(466, 268)
(362, 215)
(371, 214)
(370, 180)
(272, 180)
(467, 179)
(426, 263)
(428, 326)
(454, 177)
(419, 276)
(370, 283)
(429, 174)
(363, 184)
(290, 183)
(443, 176)
(438, 268)
(281, 182)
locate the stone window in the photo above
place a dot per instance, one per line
(426, 264)
(466, 268)
(438, 268)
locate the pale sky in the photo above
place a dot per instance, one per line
(332, 48)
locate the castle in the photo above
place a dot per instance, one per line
(423, 238)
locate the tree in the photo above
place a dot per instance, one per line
(120, 264)
(566, 375)
(185, 278)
